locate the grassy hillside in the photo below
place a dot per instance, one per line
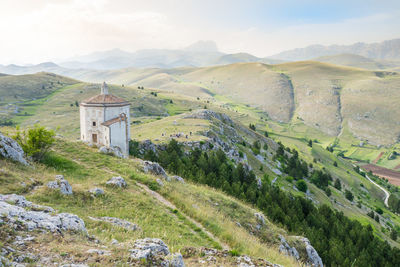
(158, 117)
(186, 215)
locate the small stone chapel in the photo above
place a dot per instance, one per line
(105, 121)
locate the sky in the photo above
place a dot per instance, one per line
(34, 31)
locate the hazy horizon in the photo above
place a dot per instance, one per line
(44, 30)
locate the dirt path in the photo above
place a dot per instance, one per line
(167, 203)
(387, 194)
(172, 206)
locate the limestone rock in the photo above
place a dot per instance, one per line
(32, 220)
(260, 217)
(61, 184)
(286, 249)
(96, 191)
(178, 179)
(175, 260)
(117, 181)
(21, 201)
(149, 248)
(154, 168)
(313, 258)
(160, 182)
(99, 252)
(113, 150)
(10, 149)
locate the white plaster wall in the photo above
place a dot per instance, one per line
(118, 136)
(88, 116)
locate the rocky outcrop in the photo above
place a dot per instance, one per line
(313, 258)
(113, 150)
(10, 149)
(117, 181)
(61, 184)
(21, 201)
(155, 252)
(17, 216)
(118, 222)
(154, 168)
(286, 249)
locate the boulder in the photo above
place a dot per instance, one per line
(154, 168)
(16, 216)
(113, 150)
(61, 184)
(178, 179)
(118, 222)
(10, 149)
(149, 248)
(117, 181)
(96, 191)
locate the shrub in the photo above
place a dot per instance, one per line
(335, 163)
(338, 185)
(35, 141)
(348, 195)
(301, 185)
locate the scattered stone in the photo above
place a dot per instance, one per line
(96, 191)
(113, 150)
(118, 222)
(74, 265)
(149, 248)
(178, 179)
(160, 182)
(117, 181)
(114, 242)
(260, 217)
(99, 252)
(18, 216)
(10, 149)
(154, 168)
(61, 184)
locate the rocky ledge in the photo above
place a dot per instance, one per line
(13, 212)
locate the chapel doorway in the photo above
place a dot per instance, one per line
(94, 138)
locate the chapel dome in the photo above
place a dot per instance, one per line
(105, 99)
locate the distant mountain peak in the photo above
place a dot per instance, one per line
(203, 46)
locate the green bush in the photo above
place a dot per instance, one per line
(301, 185)
(348, 195)
(35, 141)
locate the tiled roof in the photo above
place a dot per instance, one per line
(112, 121)
(105, 99)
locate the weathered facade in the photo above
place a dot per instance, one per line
(105, 120)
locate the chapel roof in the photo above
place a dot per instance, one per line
(105, 98)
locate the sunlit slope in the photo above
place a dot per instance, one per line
(17, 88)
(249, 83)
(330, 97)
